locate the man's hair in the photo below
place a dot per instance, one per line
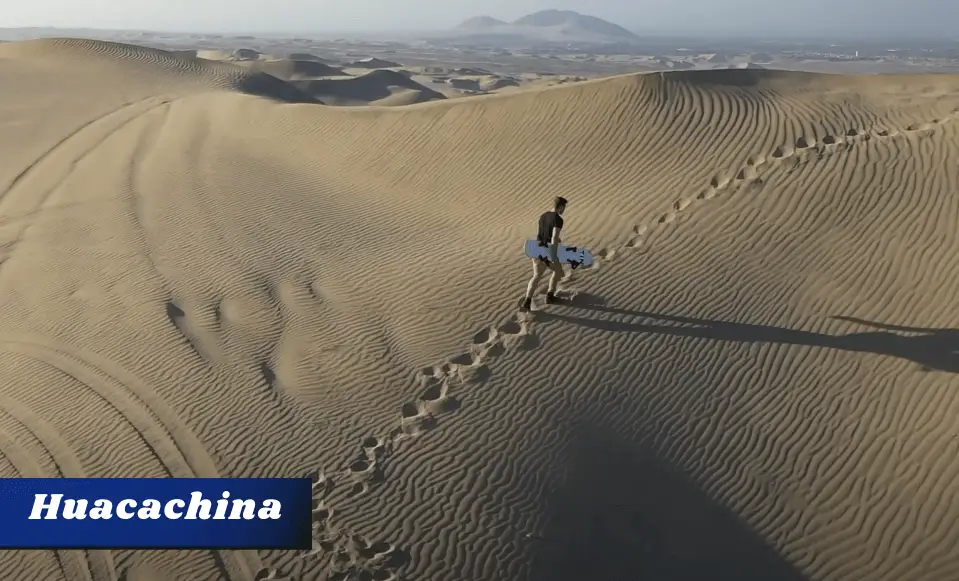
(559, 201)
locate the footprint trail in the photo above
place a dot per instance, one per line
(442, 386)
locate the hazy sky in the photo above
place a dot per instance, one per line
(759, 17)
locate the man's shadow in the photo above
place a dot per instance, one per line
(618, 511)
(933, 349)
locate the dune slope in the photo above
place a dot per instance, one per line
(204, 272)
(379, 87)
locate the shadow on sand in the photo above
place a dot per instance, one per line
(932, 349)
(620, 513)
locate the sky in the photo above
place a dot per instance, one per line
(900, 18)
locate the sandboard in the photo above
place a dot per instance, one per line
(572, 255)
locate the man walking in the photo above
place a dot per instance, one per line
(550, 225)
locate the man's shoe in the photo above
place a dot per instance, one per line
(551, 299)
(526, 304)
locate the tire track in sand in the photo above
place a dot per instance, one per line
(356, 557)
(175, 446)
(62, 153)
(441, 385)
(75, 564)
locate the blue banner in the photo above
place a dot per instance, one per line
(155, 513)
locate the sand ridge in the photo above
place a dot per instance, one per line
(200, 281)
(139, 63)
(378, 87)
(489, 342)
(444, 385)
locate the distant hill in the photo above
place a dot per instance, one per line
(574, 21)
(480, 23)
(564, 26)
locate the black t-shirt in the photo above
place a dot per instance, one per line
(547, 222)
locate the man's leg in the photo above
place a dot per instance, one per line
(558, 274)
(539, 267)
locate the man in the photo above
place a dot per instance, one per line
(550, 225)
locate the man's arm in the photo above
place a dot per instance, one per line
(553, 251)
(556, 239)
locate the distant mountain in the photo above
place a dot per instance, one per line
(575, 22)
(480, 23)
(552, 26)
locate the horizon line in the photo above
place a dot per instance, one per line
(841, 37)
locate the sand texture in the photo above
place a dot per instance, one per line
(205, 270)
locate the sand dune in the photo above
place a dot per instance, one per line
(289, 69)
(379, 87)
(204, 273)
(344, 86)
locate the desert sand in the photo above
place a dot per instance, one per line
(208, 271)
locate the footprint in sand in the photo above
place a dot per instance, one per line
(783, 151)
(607, 254)
(436, 399)
(268, 574)
(414, 421)
(359, 559)
(720, 181)
(707, 194)
(682, 204)
(919, 127)
(831, 140)
(436, 383)
(350, 556)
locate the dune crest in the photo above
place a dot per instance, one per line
(136, 62)
(378, 87)
(204, 271)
